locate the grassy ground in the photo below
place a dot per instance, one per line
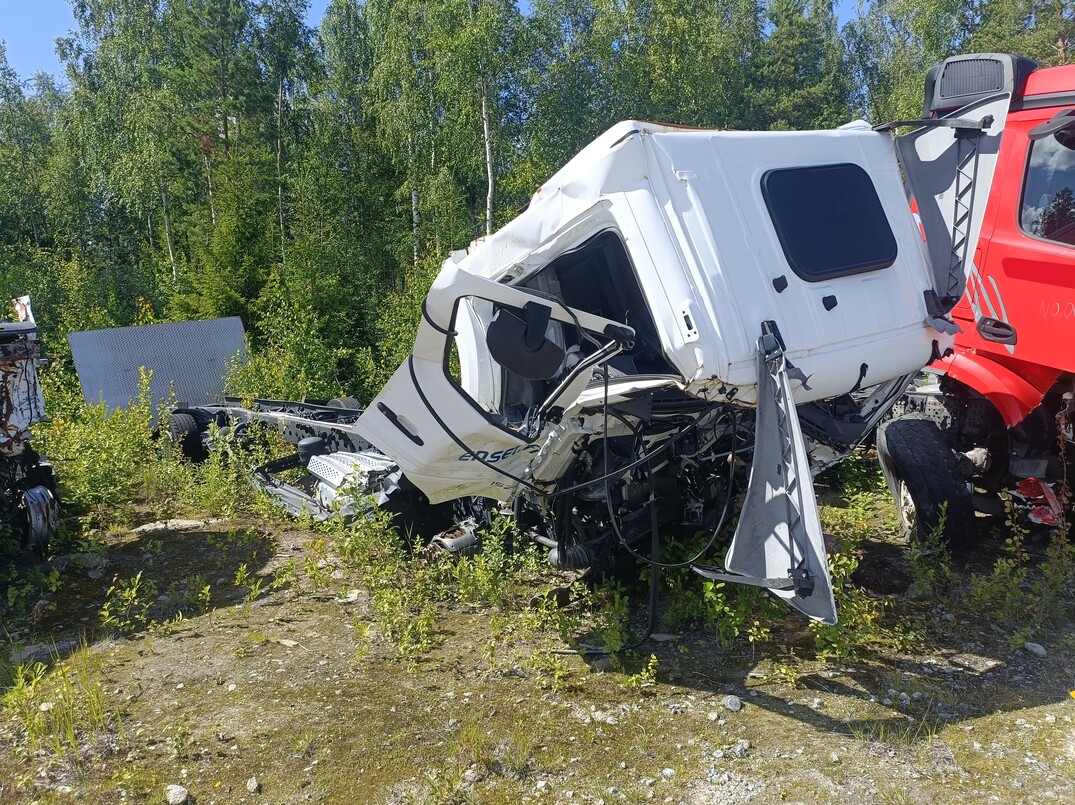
(332, 665)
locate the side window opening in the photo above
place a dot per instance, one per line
(1048, 206)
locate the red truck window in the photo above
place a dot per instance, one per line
(1049, 189)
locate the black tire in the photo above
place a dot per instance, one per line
(923, 473)
(350, 403)
(184, 431)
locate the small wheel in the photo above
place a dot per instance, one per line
(350, 403)
(39, 512)
(184, 431)
(924, 476)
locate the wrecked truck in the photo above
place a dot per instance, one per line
(675, 313)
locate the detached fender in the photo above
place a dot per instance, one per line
(1013, 392)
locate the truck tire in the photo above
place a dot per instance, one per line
(349, 403)
(923, 473)
(184, 431)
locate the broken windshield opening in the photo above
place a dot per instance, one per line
(515, 364)
(509, 396)
(597, 277)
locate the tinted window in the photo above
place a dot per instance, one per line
(1049, 189)
(829, 220)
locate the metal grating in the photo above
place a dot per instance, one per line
(972, 77)
(191, 357)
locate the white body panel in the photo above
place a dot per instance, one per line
(689, 206)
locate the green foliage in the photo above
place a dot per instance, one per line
(647, 677)
(294, 361)
(930, 560)
(58, 711)
(1019, 594)
(105, 455)
(26, 590)
(127, 604)
(859, 625)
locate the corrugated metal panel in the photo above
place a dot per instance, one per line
(190, 356)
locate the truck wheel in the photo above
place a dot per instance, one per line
(923, 474)
(184, 431)
(350, 403)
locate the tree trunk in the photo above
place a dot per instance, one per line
(168, 233)
(487, 133)
(279, 155)
(413, 171)
(209, 186)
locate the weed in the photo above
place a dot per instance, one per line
(553, 672)
(646, 678)
(318, 572)
(287, 575)
(610, 607)
(515, 753)
(180, 740)
(127, 604)
(930, 560)
(896, 795)
(58, 711)
(305, 744)
(787, 674)
(191, 595)
(26, 592)
(860, 614)
(105, 454)
(252, 584)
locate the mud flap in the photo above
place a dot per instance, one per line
(778, 542)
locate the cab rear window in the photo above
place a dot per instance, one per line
(829, 220)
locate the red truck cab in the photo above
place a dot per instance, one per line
(1018, 313)
(1000, 412)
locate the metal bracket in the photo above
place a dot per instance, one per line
(964, 126)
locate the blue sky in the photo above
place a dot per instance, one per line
(29, 29)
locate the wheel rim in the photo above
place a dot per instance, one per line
(907, 509)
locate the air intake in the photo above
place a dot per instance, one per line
(960, 80)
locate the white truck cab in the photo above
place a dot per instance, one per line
(673, 304)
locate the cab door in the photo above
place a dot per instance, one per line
(471, 407)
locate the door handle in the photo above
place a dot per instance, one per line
(391, 416)
(999, 332)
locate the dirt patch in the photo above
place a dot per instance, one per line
(293, 685)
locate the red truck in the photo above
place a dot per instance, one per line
(999, 409)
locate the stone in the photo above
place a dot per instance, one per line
(176, 795)
(1037, 649)
(173, 525)
(668, 774)
(733, 703)
(253, 786)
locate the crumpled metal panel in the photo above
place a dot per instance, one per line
(191, 357)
